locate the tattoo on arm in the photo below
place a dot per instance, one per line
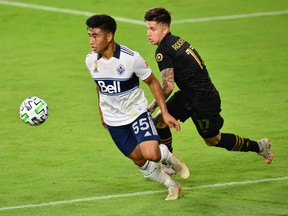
(167, 78)
(167, 81)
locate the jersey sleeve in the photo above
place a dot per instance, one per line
(164, 58)
(140, 67)
(90, 62)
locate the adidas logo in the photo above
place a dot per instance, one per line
(147, 134)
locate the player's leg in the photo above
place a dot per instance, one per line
(209, 125)
(127, 143)
(152, 151)
(148, 139)
(146, 135)
(167, 157)
(152, 170)
(233, 142)
(163, 131)
(165, 135)
(175, 106)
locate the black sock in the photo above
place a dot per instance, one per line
(233, 142)
(165, 137)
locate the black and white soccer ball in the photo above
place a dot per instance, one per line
(34, 111)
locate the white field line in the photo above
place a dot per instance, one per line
(63, 10)
(139, 22)
(139, 194)
(231, 17)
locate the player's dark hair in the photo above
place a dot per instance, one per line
(102, 21)
(158, 14)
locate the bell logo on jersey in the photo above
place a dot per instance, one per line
(112, 88)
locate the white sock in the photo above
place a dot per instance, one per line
(165, 154)
(152, 171)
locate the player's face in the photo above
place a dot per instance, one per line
(99, 39)
(156, 31)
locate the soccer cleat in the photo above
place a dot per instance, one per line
(168, 169)
(180, 168)
(264, 145)
(173, 191)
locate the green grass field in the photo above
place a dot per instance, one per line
(69, 165)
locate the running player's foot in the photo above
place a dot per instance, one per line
(180, 168)
(264, 146)
(173, 191)
(168, 169)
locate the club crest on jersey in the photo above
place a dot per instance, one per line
(159, 57)
(120, 69)
(95, 66)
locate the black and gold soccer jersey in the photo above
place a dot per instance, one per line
(190, 73)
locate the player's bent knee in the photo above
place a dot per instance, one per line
(139, 163)
(161, 125)
(211, 144)
(159, 122)
(156, 157)
(213, 141)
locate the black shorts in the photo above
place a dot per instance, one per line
(205, 113)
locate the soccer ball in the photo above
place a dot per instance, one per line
(34, 111)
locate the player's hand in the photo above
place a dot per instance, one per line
(171, 121)
(175, 124)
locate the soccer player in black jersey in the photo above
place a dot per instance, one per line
(197, 97)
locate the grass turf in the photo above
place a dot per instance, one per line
(71, 156)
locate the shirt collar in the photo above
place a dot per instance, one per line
(168, 34)
(116, 52)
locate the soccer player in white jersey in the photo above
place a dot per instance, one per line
(116, 71)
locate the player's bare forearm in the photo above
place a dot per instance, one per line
(167, 86)
(99, 108)
(167, 81)
(157, 92)
(152, 107)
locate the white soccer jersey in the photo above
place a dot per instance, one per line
(121, 99)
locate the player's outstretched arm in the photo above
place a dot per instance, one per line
(167, 86)
(158, 94)
(100, 111)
